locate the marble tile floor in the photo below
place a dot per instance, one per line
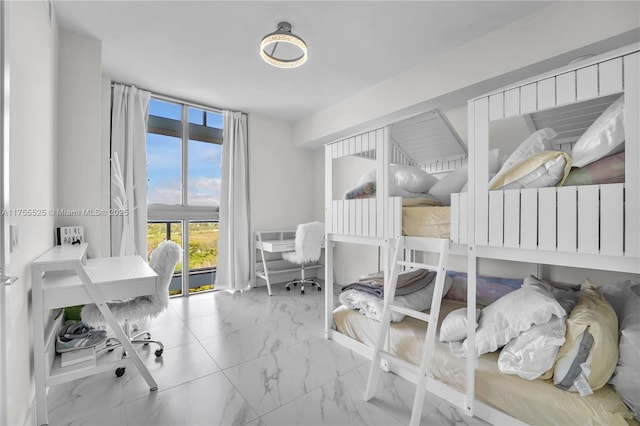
(244, 359)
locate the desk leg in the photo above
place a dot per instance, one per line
(97, 297)
(39, 356)
(266, 271)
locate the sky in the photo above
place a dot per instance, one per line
(164, 161)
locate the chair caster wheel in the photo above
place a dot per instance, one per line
(288, 289)
(158, 353)
(295, 284)
(319, 289)
(120, 371)
(302, 292)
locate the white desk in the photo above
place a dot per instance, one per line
(64, 276)
(277, 242)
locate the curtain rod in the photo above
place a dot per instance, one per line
(173, 99)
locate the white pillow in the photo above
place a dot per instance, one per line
(534, 351)
(604, 137)
(566, 294)
(536, 142)
(404, 179)
(509, 316)
(455, 181)
(450, 184)
(454, 325)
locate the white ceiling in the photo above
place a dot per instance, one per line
(207, 51)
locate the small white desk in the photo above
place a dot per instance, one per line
(277, 242)
(63, 276)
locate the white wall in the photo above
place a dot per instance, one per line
(81, 156)
(33, 60)
(539, 42)
(280, 176)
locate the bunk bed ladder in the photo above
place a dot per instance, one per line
(441, 247)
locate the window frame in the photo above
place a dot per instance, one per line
(184, 213)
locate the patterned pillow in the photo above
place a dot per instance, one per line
(606, 170)
(488, 289)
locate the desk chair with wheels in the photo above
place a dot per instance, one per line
(163, 261)
(308, 245)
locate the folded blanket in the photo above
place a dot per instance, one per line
(371, 306)
(404, 278)
(372, 289)
(378, 290)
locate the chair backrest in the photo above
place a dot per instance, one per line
(163, 261)
(308, 243)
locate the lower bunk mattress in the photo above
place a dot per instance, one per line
(426, 221)
(536, 402)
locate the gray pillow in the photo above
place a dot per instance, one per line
(566, 294)
(626, 376)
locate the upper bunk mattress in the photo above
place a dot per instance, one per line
(426, 221)
(537, 402)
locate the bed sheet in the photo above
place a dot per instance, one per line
(536, 402)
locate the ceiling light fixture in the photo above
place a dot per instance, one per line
(290, 57)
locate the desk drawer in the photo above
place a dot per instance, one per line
(278, 246)
(65, 289)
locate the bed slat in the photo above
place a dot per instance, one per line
(566, 88)
(588, 226)
(567, 218)
(512, 218)
(587, 82)
(463, 219)
(496, 106)
(511, 102)
(481, 170)
(547, 218)
(632, 156)
(610, 76)
(612, 219)
(454, 233)
(373, 220)
(528, 98)
(359, 217)
(547, 93)
(496, 218)
(529, 218)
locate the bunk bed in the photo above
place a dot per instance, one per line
(593, 226)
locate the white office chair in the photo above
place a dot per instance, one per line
(163, 261)
(308, 245)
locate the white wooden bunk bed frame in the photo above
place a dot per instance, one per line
(553, 226)
(563, 218)
(375, 221)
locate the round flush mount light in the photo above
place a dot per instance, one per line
(292, 50)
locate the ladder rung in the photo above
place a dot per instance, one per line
(411, 312)
(413, 369)
(417, 265)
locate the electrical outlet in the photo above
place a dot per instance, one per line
(13, 238)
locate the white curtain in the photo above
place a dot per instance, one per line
(129, 114)
(234, 244)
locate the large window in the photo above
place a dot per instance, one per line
(184, 150)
